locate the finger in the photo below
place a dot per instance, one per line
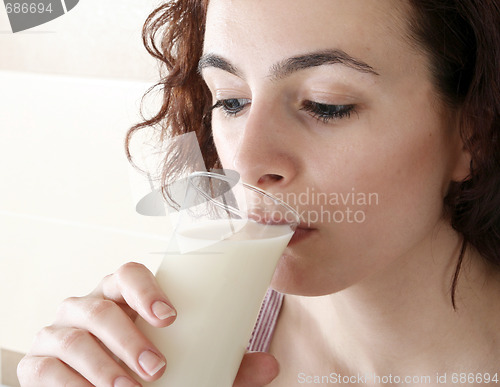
(257, 369)
(134, 285)
(110, 324)
(34, 371)
(79, 350)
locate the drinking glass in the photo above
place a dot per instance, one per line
(226, 244)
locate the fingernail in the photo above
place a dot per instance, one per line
(162, 310)
(122, 381)
(150, 362)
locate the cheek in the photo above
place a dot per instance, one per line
(414, 162)
(397, 202)
(405, 168)
(226, 147)
(408, 180)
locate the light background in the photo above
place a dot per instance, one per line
(69, 90)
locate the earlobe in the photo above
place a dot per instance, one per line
(462, 160)
(462, 167)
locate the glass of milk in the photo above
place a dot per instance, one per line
(225, 247)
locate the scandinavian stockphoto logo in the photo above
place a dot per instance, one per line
(28, 14)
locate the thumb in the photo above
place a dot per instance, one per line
(257, 369)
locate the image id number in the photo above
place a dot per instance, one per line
(28, 8)
(476, 378)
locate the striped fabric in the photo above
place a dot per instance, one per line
(266, 322)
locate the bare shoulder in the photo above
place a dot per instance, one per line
(299, 345)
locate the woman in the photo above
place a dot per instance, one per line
(399, 99)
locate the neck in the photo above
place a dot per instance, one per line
(402, 320)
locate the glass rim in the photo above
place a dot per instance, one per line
(246, 185)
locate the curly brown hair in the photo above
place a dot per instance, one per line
(462, 39)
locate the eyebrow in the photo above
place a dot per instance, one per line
(291, 65)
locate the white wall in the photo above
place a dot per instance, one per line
(97, 38)
(69, 90)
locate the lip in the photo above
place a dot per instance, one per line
(300, 234)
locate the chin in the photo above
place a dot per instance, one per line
(290, 277)
(295, 275)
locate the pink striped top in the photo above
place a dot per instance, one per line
(266, 322)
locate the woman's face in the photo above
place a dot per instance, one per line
(326, 104)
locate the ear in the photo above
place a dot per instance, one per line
(461, 169)
(461, 162)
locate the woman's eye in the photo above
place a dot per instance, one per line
(232, 106)
(324, 112)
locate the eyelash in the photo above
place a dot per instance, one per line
(325, 113)
(223, 104)
(321, 111)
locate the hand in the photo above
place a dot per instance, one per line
(257, 369)
(94, 341)
(93, 338)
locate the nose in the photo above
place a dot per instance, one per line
(264, 154)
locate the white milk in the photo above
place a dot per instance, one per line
(217, 291)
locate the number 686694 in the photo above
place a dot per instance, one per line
(24, 8)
